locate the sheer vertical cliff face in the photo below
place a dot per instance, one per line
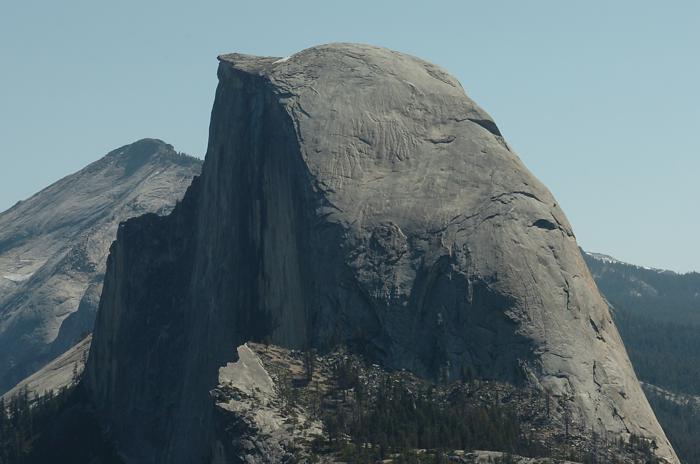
(352, 194)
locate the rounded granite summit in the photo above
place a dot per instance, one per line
(355, 195)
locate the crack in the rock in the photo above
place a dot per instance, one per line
(488, 125)
(442, 140)
(595, 381)
(599, 336)
(514, 193)
(544, 224)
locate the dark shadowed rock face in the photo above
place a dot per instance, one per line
(54, 245)
(352, 194)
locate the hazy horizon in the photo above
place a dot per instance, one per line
(600, 101)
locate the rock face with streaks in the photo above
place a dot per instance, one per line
(352, 194)
(54, 245)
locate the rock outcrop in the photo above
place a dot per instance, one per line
(54, 246)
(352, 195)
(252, 426)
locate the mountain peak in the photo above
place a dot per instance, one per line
(141, 144)
(353, 197)
(140, 153)
(137, 154)
(53, 247)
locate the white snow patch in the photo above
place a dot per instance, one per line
(282, 60)
(607, 259)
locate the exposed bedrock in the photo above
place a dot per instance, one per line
(352, 194)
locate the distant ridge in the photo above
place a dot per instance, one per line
(607, 259)
(658, 315)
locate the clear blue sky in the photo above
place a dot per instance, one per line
(599, 98)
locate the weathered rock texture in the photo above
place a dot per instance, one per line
(352, 194)
(54, 246)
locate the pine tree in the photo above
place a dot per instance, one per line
(309, 364)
